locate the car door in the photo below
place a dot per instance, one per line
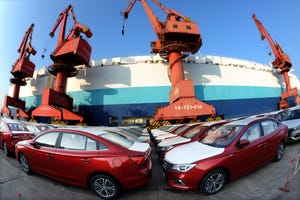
(40, 155)
(76, 157)
(249, 157)
(272, 138)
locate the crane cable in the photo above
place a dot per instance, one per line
(45, 49)
(123, 25)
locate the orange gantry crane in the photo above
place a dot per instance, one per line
(177, 37)
(70, 51)
(22, 69)
(283, 63)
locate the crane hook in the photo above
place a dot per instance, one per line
(123, 26)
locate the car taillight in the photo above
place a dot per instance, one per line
(137, 159)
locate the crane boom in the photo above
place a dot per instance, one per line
(21, 69)
(70, 51)
(282, 62)
(177, 37)
(177, 33)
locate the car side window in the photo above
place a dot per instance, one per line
(253, 133)
(47, 140)
(91, 145)
(269, 126)
(73, 141)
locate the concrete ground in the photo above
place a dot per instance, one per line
(261, 184)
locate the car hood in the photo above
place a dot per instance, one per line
(192, 152)
(173, 141)
(291, 123)
(24, 142)
(139, 146)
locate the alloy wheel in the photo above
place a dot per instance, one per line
(105, 186)
(213, 182)
(5, 148)
(24, 163)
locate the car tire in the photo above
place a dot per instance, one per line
(24, 163)
(280, 152)
(213, 181)
(105, 186)
(5, 149)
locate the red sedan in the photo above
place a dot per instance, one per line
(87, 157)
(231, 151)
(11, 132)
(196, 133)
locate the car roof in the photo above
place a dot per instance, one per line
(7, 120)
(213, 122)
(248, 120)
(87, 129)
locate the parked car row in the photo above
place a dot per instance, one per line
(204, 155)
(106, 160)
(212, 153)
(289, 117)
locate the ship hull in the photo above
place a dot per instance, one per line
(126, 90)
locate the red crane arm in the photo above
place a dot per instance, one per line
(128, 9)
(153, 19)
(76, 30)
(171, 11)
(24, 47)
(177, 33)
(282, 60)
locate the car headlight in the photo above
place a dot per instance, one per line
(183, 167)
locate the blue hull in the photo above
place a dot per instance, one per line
(96, 115)
(111, 106)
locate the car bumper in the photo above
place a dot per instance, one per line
(183, 181)
(293, 135)
(142, 176)
(189, 180)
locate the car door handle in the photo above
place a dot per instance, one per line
(262, 145)
(85, 160)
(48, 155)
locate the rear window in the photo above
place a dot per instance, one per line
(17, 127)
(117, 139)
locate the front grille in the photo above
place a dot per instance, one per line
(290, 132)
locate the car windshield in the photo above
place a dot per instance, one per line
(194, 132)
(17, 127)
(181, 129)
(294, 114)
(222, 136)
(117, 139)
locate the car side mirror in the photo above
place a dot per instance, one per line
(243, 143)
(35, 145)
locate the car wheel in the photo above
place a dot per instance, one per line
(105, 186)
(5, 149)
(280, 152)
(213, 182)
(24, 163)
